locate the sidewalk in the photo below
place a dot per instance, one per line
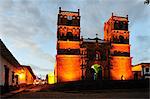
(11, 93)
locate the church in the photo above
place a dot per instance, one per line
(80, 58)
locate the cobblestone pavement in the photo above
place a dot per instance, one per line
(88, 94)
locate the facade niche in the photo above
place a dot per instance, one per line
(69, 22)
(121, 39)
(120, 25)
(103, 56)
(69, 36)
(115, 40)
(63, 37)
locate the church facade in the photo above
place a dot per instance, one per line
(93, 58)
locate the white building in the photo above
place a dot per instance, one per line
(141, 70)
(8, 65)
(146, 70)
(13, 74)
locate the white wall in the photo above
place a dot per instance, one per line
(4, 62)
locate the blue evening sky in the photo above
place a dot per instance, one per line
(28, 27)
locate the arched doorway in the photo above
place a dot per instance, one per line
(89, 74)
(98, 72)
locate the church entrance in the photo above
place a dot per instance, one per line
(97, 75)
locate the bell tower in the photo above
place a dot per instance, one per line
(116, 32)
(68, 46)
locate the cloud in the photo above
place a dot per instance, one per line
(141, 50)
(40, 68)
(142, 38)
(95, 12)
(143, 42)
(144, 59)
(24, 19)
(25, 27)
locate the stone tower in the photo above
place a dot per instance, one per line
(116, 32)
(68, 46)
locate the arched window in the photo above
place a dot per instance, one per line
(97, 56)
(121, 39)
(62, 36)
(69, 17)
(69, 36)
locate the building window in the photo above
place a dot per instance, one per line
(97, 56)
(147, 69)
(13, 77)
(69, 17)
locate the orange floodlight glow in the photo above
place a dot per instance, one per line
(123, 78)
(121, 47)
(121, 68)
(68, 44)
(68, 68)
(21, 76)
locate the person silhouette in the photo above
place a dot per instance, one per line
(122, 78)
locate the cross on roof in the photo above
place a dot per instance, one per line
(96, 35)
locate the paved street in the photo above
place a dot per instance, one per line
(89, 94)
(27, 89)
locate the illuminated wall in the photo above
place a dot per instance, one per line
(55, 72)
(121, 66)
(29, 77)
(137, 68)
(68, 68)
(21, 72)
(24, 75)
(51, 78)
(116, 32)
(68, 47)
(68, 44)
(120, 47)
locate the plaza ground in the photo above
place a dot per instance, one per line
(86, 94)
(87, 90)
